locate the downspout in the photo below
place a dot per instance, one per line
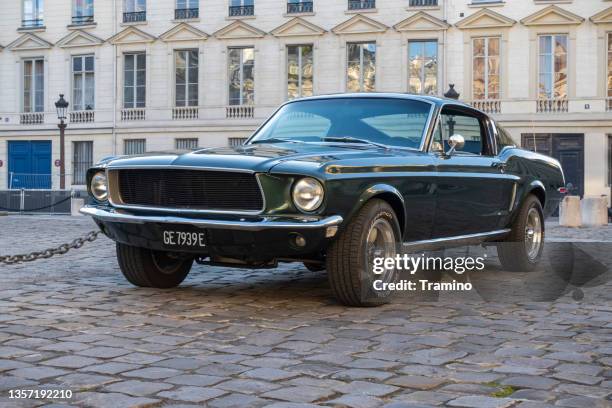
(445, 40)
(115, 28)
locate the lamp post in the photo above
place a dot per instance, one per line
(62, 107)
(451, 94)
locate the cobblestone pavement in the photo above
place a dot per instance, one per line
(235, 338)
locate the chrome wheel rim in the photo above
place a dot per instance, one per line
(381, 244)
(533, 234)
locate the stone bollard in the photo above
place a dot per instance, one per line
(75, 205)
(594, 211)
(569, 212)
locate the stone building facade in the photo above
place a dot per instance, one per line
(144, 75)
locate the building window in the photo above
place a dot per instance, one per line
(552, 83)
(83, 12)
(299, 6)
(187, 144)
(237, 141)
(186, 77)
(135, 11)
(361, 4)
(485, 68)
(361, 67)
(81, 161)
(423, 67)
(239, 8)
(241, 76)
(134, 146)
(423, 3)
(32, 13)
(34, 85)
(83, 83)
(299, 71)
(187, 9)
(135, 78)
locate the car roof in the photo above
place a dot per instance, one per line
(390, 95)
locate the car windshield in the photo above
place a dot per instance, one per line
(383, 121)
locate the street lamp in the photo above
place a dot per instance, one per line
(62, 107)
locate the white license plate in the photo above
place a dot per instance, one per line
(182, 239)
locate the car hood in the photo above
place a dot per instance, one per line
(261, 157)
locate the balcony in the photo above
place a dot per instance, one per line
(135, 17)
(423, 3)
(487, 105)
(552, 106)
(87, 116)
(185, 113)
(133, 114)
(361, 4)
(186, 14)
(241, 11)
(32, 23)
(82, 20)
(239, 111)
(303, 7)
(32, 118)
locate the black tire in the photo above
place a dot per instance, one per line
(349, 275)
(151, 269)
(513, 253)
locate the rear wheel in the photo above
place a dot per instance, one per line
(522, 249)
(152, 269)
(373, 233)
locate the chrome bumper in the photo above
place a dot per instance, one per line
(264, 223)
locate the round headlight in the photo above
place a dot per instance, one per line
(99, 188)
(308, 194)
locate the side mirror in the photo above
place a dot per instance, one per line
(456, 142)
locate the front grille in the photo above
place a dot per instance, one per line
(190, 189)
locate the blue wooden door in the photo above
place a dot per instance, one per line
(29, 164)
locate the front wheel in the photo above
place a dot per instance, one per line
(522, 249)
(373, 233)
(152, 269)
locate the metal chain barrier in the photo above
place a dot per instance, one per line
(35, 209)
(48, 253)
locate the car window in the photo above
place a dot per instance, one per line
(503, 138)
(390, 121)
(459, 123)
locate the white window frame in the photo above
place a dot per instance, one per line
(34, 83)
(135, 4)
(189, 4)
(135, 86)
(82, 74)
(552, 64)
(608, 67)
(422, 73)
(75, 9)
(361, 59)
(300, 65)
(241, 3)
(486, 65)
(242, 101)
(187, 77)
(38, 10)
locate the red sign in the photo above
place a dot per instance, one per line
(58, 163)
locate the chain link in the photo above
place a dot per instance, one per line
(48, 253)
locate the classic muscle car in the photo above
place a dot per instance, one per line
(330, 181)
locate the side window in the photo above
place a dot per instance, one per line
(459, 123)
(503, 138)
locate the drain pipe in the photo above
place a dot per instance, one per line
(445, 39)
(114, 106)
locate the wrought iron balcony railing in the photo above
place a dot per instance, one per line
(135, 17)
(423, 3)
(241, 11)
(32, 23)
(361, 4)
(186, 14)
(303, 7)
(80, 20)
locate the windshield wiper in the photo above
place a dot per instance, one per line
(275, 140)
(350, 139)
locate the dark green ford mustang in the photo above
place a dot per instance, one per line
(330, 181)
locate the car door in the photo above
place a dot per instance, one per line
(472, 189)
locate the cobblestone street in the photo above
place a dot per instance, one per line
(244, 338)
